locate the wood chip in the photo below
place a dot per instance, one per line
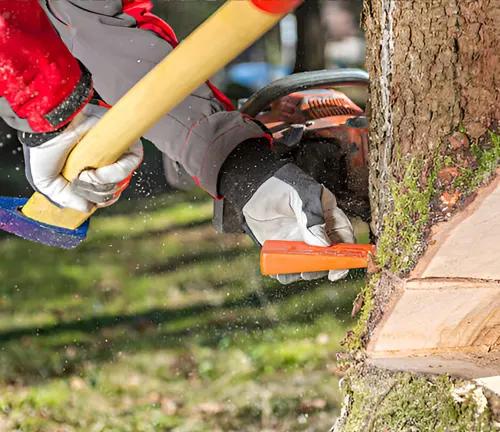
(358, 304)
(372, 267)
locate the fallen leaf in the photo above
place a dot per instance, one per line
(447, 174)
(459, 140)
(168, 406)
(308, 406)
(455, 197)
(210, 408)
(450, 199)
(445, 198)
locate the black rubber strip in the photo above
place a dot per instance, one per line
(67, 108)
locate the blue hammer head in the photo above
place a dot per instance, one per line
(13, 221)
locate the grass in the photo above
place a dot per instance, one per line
(156, 323)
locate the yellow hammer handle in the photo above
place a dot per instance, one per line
(232, 29)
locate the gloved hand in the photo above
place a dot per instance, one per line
(292, 206)
(46, 154)
(279, 201)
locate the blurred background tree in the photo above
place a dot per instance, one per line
(311, 37)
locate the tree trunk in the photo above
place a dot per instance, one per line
(434, 65)
(311, 37)
(434, 68)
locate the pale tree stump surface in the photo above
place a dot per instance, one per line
(445, 318)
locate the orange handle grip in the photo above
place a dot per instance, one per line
(287, 257)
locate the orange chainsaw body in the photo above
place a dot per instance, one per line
(332, 119)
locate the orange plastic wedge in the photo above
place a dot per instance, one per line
(287, 257)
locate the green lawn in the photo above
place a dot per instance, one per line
(156, 323)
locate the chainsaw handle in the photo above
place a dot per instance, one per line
(289, 257)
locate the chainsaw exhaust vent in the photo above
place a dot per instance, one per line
(335, 105)
(316, 104)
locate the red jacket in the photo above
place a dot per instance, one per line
(37, 72)
(116, 42)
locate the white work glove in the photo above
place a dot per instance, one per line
(94, 187)
(292, 206)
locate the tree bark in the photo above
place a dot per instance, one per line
(434, 65)
(311, 37)
(434, 68)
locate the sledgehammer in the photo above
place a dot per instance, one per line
(232, 29)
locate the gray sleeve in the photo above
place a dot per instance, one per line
(198, 133)
(8, 115)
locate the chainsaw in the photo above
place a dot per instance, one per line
(313, 121)
(323, 130)
(326, 134)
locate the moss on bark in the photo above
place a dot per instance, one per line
(377, 400)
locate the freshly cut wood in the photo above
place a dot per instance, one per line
(446, 317)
